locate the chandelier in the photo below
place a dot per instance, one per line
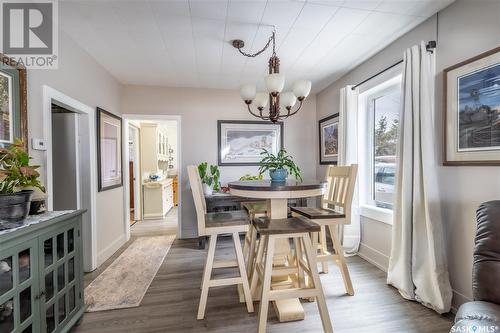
(278, 101)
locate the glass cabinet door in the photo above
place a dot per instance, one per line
(59, 278)
(19, 288)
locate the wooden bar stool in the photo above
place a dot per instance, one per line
(298, 229)
(213, 225)
(254, 209)
(335, 211)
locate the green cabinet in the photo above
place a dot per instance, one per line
(41, 274)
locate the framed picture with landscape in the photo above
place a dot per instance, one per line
(109, 150)
(13, 103)
(472, 111)
(241, 142)
(329, 140)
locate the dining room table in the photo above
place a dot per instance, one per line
(277, 194)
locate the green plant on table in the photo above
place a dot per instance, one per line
(211, 179)
(15, 172)
(252, 177)
(281, 160)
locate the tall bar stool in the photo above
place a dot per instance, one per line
(335, 211)
(254, 209)
(213, 225)
(298, 229)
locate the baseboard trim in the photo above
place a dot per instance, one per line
(109, 250)
(374, 257)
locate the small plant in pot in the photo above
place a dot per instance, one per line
(17, 178)
(279, 166)
(210, 181)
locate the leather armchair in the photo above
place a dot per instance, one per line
(483, 314)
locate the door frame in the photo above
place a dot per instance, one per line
(137, 171)
(49, 96)
(126, 194)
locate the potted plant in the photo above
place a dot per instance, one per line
(251, 177)
(16, 179)
(210, 181)
(279, 166)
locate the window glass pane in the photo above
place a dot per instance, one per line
(25, 304)
(71, 240)
(72, 298)
(7, 316)
(28, 329)
(60, 277)
(49, 319)
(47, 248)
(386, 124)
(62, 309)
(24, 265)
(60, 246)
(49, 285)
(6, 283)
(71, 270)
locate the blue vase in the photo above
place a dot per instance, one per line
(278, 175)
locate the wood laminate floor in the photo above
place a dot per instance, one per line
(171, 303)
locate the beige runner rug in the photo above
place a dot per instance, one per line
(125, 282)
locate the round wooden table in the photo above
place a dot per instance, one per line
(277, 195)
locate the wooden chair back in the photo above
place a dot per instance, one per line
(340, 189)
(198, 197)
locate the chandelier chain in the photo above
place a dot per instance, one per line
(271, 39)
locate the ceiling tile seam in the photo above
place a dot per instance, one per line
(157, 24)
(316, 37)
(194, 44)
(291, 27)
(254, 37)
(321, 61)
(223, 44)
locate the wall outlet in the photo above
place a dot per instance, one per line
(38, 144)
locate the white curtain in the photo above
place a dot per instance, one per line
(348, 154)
(417, 266)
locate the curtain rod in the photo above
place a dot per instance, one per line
(430, 46)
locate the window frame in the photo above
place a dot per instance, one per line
(366, 107)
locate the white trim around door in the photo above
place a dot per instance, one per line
(50, 96)
(126, 187)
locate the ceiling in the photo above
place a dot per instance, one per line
(187, 43)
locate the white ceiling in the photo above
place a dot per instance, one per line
(180, 43)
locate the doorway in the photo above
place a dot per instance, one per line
(70, 155)
(152, 178)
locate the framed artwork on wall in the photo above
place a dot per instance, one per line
(241, 142)
(13, 102)
(472, 111)
(109, 150)
(328, 129)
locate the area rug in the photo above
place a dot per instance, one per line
(125, 282)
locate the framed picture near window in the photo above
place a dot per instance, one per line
(241, 142)
(329, 140)
(109, 150)
(472, 111)
(13, 103)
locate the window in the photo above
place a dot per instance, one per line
(379, 117)
(385, 113)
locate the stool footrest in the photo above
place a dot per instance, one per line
(225, 282)
(279, 294)
(225, 264)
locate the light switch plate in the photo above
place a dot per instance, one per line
(38, 144)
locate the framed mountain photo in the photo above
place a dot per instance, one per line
(329, 139)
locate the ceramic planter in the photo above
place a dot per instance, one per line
(14, 207)
(278, 175)
(208, 190)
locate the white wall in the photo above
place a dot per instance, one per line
(200, 109)
(82, 78)
(466, 28)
